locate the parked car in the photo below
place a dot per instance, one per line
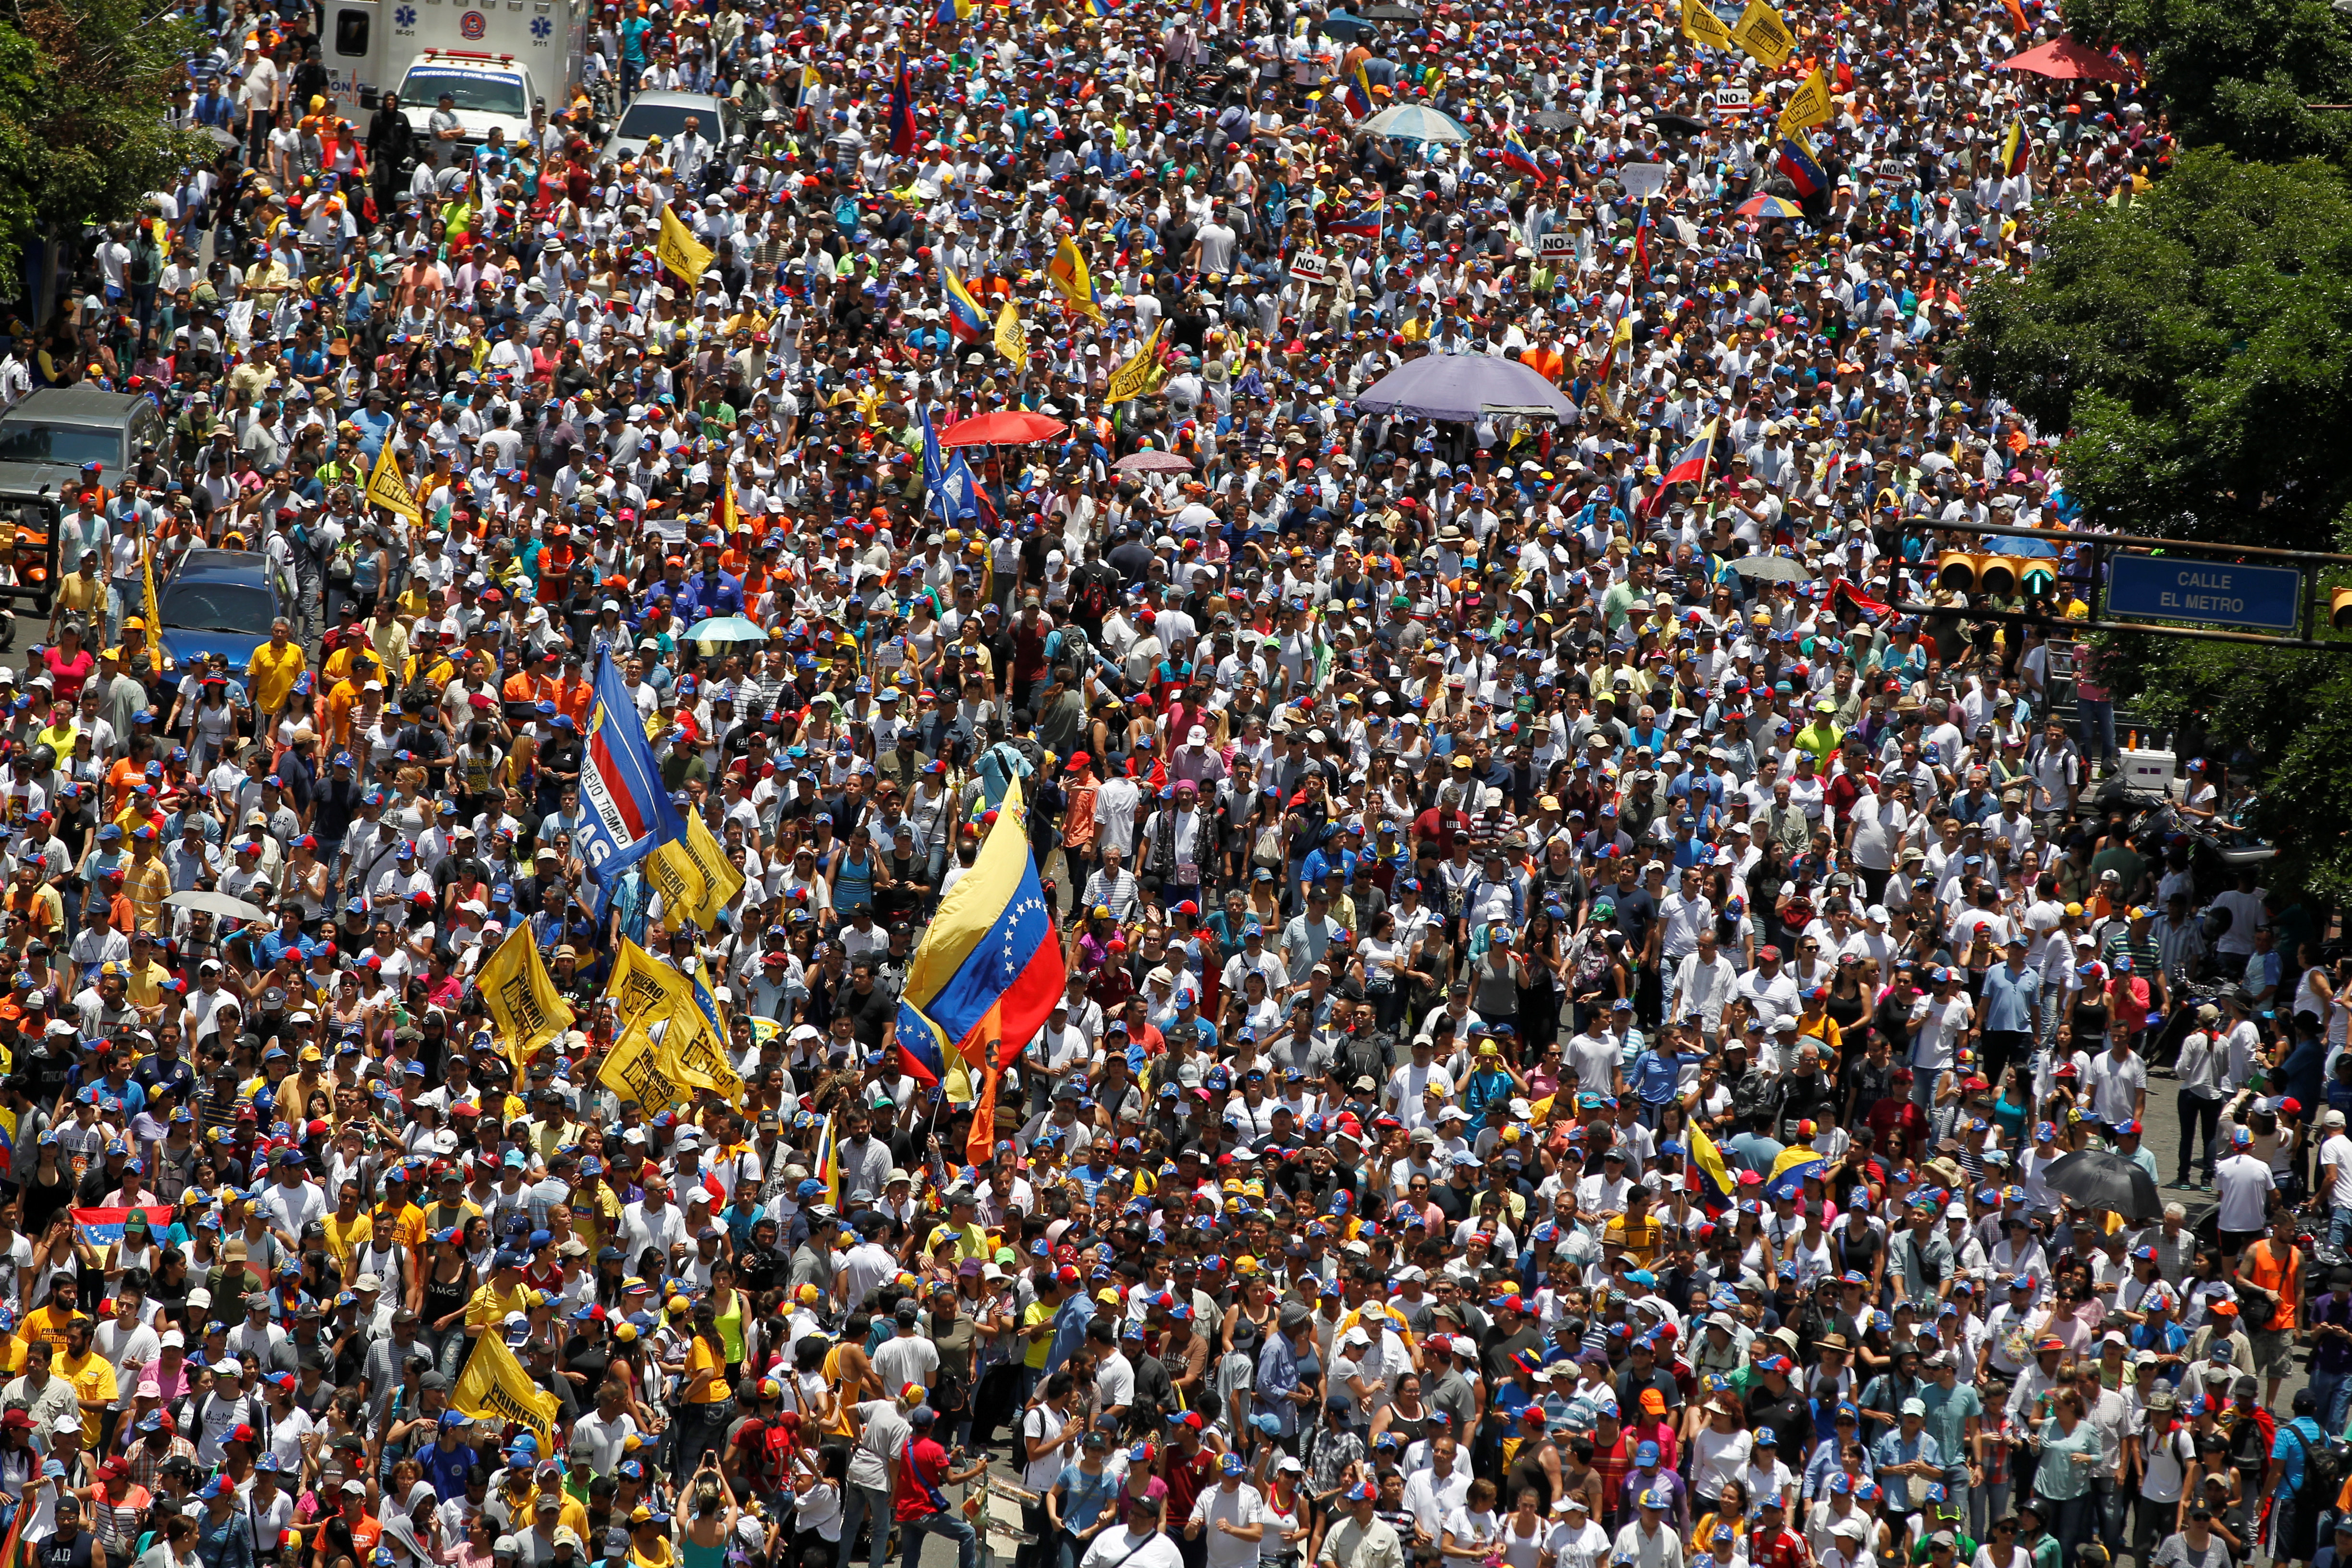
(50, 437)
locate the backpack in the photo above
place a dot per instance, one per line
(2324, 1467)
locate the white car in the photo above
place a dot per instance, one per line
(664, 114)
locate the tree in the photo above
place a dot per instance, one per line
(2236, 75)
(85, 89)
(2196, 348)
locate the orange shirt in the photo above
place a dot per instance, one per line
(577, 700)
(121, 779)
(340, 703)
(524, 687)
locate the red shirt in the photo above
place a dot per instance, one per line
(922, 1467)
(1186, 1478)
(1776, 1548)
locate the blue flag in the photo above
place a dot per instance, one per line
(628, 814)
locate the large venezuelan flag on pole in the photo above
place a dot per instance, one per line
(990, 968)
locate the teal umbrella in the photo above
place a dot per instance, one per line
(1416, 122)
(727, 628)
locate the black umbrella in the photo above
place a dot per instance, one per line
(1347, 29)
(1677, 125)
(2103, 1179)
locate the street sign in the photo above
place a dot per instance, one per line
(2176, 588)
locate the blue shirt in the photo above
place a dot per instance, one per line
(2009, 999)
(2294, 1443)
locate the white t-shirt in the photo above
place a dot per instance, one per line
(1241, 1508)
(2246, 1183)
(2335, 1156)
(1042, 1423)
(1718, 1457)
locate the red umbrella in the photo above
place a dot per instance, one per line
(1011, 428)
(2067, 60)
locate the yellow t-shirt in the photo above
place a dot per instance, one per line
(273, 672)
(144, 987)
(49, 1323)
(1034, 1313)
(92, 1377)
(699, 1356)
(490, 1307)
(344, 1236)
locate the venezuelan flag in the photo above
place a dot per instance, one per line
(990, 966)
(1365, 224)
(1794, 157)
(828, 1163)
(1514, 153)
(966, 323)
(2015, 148)
(1073, 279)
(1720, 1183)
(1360, 92)
(902, 110)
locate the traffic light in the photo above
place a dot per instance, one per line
(2340, 608)
(1996, 574)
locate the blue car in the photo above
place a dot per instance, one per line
(217, 601)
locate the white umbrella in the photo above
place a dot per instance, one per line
(1415, 123)
(219, 905)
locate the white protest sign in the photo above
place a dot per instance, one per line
(1643, 181)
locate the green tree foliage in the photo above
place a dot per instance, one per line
(85, 86)
(2196, 347)
(2236, 74)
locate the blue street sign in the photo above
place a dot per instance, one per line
(2175, 588)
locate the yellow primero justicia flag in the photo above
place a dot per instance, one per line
(495, 1387)
(522, 1000)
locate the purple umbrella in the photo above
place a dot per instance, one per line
(1463, 387)
(1153, 462)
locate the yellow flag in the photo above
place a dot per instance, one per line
(632, 1070)
(154, 610)
(679, 251)
(1702, 26)
(388, 488)
(693, 875)
(695, 1051)
(1068, 274)
(494, 1388)
(521, 998)
(1012, 339)
(1809, 105)
(1133, 379)
(1762, 33)
(642, 987)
